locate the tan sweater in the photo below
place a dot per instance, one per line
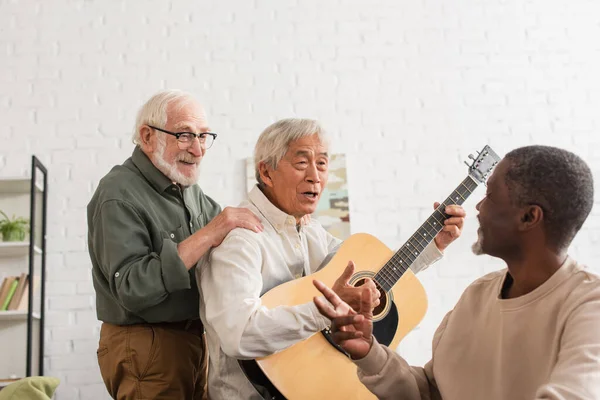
(543, 345)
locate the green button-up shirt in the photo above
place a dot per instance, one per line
(136, 218)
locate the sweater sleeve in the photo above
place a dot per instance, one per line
(388, 376)
(576, 375)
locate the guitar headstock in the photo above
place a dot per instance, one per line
(482, 165)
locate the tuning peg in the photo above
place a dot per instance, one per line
(471, 156)
(467, 164)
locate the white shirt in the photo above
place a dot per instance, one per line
(239, 271)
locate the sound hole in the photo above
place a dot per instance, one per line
(382, 297)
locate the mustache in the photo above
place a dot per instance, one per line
(187, 157)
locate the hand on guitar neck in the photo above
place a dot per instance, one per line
(351, 330)
(452, 226)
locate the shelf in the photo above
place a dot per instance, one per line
(16, 315)
(17, 186)
(5, 382)
(16, 249)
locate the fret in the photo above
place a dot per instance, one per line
(434, 227)
(402, 260)
(460, 195)
(440, 221)
(384, 281)
(463, 184)
(408, 253)
(419, 241)
(431, 232)
(416, 244)
(396, 270)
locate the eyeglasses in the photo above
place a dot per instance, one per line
(185, 139)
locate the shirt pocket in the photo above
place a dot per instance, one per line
(176, 234)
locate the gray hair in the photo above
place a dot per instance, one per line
(558, 181)
(154, 112)
(275, 140)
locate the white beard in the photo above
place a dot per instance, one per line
(476, 247)
(170, 169)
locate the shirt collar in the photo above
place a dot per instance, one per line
(277, 218)
(156, 178)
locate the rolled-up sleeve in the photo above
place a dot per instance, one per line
(138, 276)
(428, 256)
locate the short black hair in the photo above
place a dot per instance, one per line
(560, 182)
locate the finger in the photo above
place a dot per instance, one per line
(365, 305)
(452, 230)
(252, 218)
(342, 336)
(347, 274)
(329, 294)
(455, 210)
(250, 226)
(458, 221)
(324, 308)
(369, 284)
(375, 294)
(338, 323)
(436, 205)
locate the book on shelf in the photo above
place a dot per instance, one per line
(3, 290)
(14, 293)
(8, 289)
(18, 296)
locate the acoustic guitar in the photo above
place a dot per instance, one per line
(316, 368)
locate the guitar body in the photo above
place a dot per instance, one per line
(314, 368)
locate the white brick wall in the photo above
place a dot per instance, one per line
(407, 88)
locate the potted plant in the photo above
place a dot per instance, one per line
(13, 230)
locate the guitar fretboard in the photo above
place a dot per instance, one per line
(393, 270)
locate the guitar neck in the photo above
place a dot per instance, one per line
(402, 260)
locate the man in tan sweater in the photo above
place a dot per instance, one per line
(531, 331)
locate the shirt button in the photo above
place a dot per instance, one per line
(116, 274)
(172, 235)
(297, 246)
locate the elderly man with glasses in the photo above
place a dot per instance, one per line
(149, 224)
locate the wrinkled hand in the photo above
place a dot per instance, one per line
(353, 295)
(231, 218)
(350, 330)
(452, 226)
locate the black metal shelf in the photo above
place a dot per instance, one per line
(34, 249)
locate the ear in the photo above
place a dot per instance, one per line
(531, 217)
(265, 173)
(146, 139)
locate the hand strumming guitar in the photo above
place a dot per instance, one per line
(350, 330)
(353, 295)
